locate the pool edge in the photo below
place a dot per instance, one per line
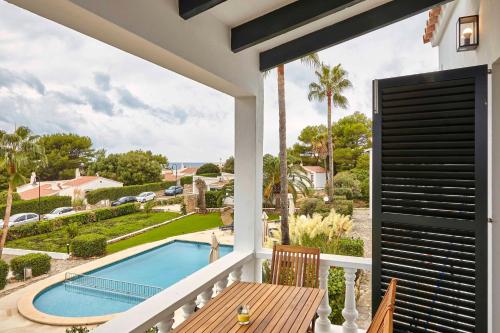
(25, 304)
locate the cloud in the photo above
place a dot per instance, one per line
(102, 81)
(9, 79)
(99, 101)
(126, 98)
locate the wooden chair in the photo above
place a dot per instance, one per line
(296, 266)
(382, 321)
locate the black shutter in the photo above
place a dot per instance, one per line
(430, 199)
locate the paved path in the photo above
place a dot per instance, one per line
(363, 229)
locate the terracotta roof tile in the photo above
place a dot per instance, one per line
(45, 190)
(80, 181)
(431, 24)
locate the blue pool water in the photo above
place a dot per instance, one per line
(160, 267)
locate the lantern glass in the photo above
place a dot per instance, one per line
(467, 33)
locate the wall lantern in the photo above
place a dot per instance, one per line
(467, 33)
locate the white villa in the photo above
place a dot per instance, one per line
(436, 146)
(317, 175)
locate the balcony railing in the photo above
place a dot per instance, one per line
(211, 280)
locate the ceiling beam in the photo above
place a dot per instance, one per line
(337, 33)
(284, 19)
(190, 8)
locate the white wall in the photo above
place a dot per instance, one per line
(319, 180)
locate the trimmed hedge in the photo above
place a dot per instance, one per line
(114, 193)
(39, 263)
(343, 206)
(89, 245)
(186, 180)
(207, 168)
(171, 201)
(4, 270)
(43, 227)
(213, 199)
(47, 204)
(314, 205)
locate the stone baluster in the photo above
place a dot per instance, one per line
(221, 285)
(206, 296)
(235, 275)
(188, 308)
(323, 324)
(166, 324)
(350, 313)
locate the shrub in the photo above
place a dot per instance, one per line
(39, 263)
(343, 206)
(343, 191)
(171, 201)
(186, 180)
(89, 245)
(212, 199)
(310, 206)
(4, 270)
(210, 175)
(3, 197)
(208, 168)
(47, 204)
(79, 329)
(113, 193)
(72, 230)
(346, 179)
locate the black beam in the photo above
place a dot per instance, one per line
(284, 19)
(190, 8)
(337, 33)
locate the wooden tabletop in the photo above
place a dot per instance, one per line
(273, 308)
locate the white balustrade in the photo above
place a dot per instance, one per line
(221, 285)
(350, 313)
(206, 296)
(235, 275)
(188, 308)
(166, 324)
(323, 323)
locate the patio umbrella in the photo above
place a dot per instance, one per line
(214, 249)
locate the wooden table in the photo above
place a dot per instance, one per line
(273, 308)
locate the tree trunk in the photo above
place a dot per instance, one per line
(285, 236)
(6, 218)
(330, 148)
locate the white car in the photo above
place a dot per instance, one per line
(146, 196)
(23, 218)
(58, 212)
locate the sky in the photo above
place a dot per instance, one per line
(54, 80)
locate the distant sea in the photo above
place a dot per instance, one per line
(185, 164)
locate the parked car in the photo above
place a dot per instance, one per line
(124, 200)
(58, 212)
(146, 196)
(23, 218)
(173, 190)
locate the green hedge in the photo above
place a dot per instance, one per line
(3, 197)
(4, 270)
(186, 180)
(343, 191)
(210, 175)
(114, 193)
(43, 227)
(213, 199)
(89, 245)
(171, 201)
(39, 263)
(343, 206)
(47, 204)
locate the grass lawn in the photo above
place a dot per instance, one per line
(192, 223)
(56, 240)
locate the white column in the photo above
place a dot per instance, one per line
(249, 123)
(235, 275)
(188, 308)
(221, 285)
(165, 325)
(323, 324)
(206, 296)
(349, 312)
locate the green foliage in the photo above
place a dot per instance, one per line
(57, 239)
(213, 199)
(210, 175)
(153, 329)
(3, 197)
(170, 201)
(336, 294)
(65, 153)
(131, 168)
(77, 329)
(186, 180)
(4, 270)
(208, 168)
(43, 227)
(343, 206)
(343, 191)
(89, 245)
(47, 204)
(72, 230)
(229, 165)
(311, 205)
(148, 206)
(114, 193)
(183, 208)
(39, 263)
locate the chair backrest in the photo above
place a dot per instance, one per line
(382, 321)
(295, 266)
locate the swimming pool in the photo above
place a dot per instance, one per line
(161, 267)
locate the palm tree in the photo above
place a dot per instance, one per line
(17, 150)
(297, 180)
(311, 60)
(330, 85)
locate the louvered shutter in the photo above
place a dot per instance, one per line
(430, 199)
